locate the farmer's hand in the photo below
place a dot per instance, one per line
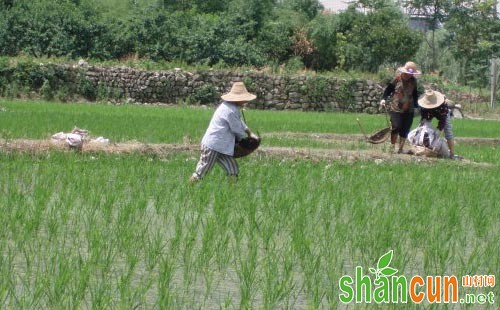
(253, 136)
(382, 103)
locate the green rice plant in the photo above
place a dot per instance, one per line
(109, 230)
(307, 228)
(6, 270)
(246, 264)
(204, 261)
(173, 124)
(278, 278)
(165, 298)
(155, 249)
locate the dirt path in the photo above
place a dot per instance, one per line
(360, 137)
(376, 153)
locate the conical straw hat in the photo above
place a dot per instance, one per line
(431, 99)
(238, 93)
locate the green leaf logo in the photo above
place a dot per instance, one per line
(383, 269)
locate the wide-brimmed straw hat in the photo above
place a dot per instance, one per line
(238, 93)
(410, 67)
(431, 99)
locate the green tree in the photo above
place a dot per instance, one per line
(389, 39)
(6, 4)
(434, 14)
(47, 28)
(250, 15)
(176, 5)
(310, 8)
(474, 38)
(211, 6)
(276, 37)
(327, 54)
(372, 5)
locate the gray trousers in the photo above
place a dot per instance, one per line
(448, 133)
(209, 157)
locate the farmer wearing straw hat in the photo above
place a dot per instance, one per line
(403, 93)
(226, 124)
(433, 105)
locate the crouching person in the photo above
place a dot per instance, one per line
(226, 125)
(433, 105)
(425, 141)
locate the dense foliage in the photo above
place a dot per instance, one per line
(249, 32)
(296, 33)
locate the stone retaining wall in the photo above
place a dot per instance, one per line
(300, 92)
(177, 86)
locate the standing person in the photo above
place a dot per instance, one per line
(403, 89)
(433, 105)
(225, 126)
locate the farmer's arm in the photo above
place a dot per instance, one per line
(442, 114)
(415, 95)
(237, 126)
(389, 90)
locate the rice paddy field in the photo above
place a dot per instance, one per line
(125, 230)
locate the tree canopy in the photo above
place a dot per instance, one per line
(366, 36)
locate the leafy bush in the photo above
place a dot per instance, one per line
(206, 94)
(86, 88)
(116, 93)
(249, 84)
(4, 63)
(4, 66)
(344, 96)
(23, 74)
(293, 65)
(49, 28)
(46, 90)
(102, 91)
(63, 94)
(315, 88)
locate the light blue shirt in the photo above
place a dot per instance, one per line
(226, 124)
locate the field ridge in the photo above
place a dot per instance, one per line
(379, 154)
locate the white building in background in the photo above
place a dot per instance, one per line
(335, 5)
(339, 5)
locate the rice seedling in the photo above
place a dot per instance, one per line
(97, 230)
(174, 124)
